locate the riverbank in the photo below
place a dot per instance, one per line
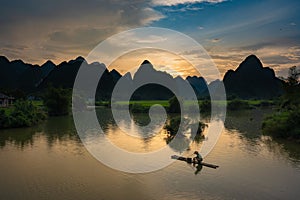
(204, 105)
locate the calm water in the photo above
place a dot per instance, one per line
(49, 162)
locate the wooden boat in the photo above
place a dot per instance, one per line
(190, 160)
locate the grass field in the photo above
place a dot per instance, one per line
(165, 103)
(145, 103)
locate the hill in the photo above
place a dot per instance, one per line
(250, 80)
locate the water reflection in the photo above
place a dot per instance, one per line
(18, 137)
(48, 161)
(54, 129)
(242, 124)
(247, 124)
(60, 129)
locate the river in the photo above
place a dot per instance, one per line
(49, 161)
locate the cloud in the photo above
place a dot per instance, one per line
(177, 2)
(70, 27)
(280, 58)
(150, 15)
(185, 8)
(292, 24)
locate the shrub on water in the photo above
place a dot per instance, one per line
(174, 105)
(198, 128)
(173, 126)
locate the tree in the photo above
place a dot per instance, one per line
(4, 119)
(291, 97)
(174, 105)
(57, 101)
(293, 78)
(23, 114)
(286, 122)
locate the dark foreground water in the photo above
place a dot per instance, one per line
(49, 162)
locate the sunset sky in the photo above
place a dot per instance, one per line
(58, 30)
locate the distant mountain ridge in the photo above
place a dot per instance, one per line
(252, 80)
(249, 80)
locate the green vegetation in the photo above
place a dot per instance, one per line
(174, 105)
(26, 113)
(237, 104)
(138, 108)
(173, 127)
(285, 123)
(22, 114)
(145, 103)
(57, 101)
(204, 105)
(103, 103)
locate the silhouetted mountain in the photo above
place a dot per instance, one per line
(115, 74)
(198, 83)
(34, 78)
(249, 80)
(215, 87)
(252, 80)
(63, 75)
(154, 90)
(12, 74)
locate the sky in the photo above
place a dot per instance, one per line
(40, 30)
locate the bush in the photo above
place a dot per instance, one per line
(173, 126)
(57, 101)
(205, 106)
(138, 108)
(266, 103)
(174, 123)
(4, 119)
(23, 114)
(284, 124)
(238, 104)
(174, 105)
(198, 128)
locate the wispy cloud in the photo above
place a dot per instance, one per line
(185, 8)
(177, 2)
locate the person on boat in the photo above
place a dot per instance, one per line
(198, 157)
(198, 169)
